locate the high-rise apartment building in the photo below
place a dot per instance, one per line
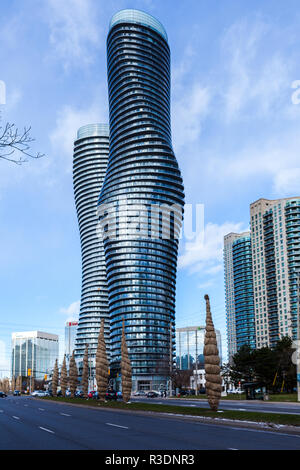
(243, 292)
(33, 350)
(142, 176)
(89, 167)
(229, 291)
(275, 233)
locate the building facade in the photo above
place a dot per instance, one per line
(70, 337)
(33, 350)
(275, 231)
(243, 292)
(142, 178)
(190, 347)
(89, 166)
(229, 291)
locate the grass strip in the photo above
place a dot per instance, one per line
(274, 418)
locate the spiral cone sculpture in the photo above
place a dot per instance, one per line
(125, 368)
(212, 361)
(101, 364)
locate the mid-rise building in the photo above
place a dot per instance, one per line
(70, 337)
(229, 291)
(275, 232)
(190, 347)
(142, 178)
(33, 350)
(89, 167)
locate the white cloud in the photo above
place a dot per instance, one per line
(249, 79)
(74, 31)
(205, 255)
(72, 312)
(287, 181)
(68, 121)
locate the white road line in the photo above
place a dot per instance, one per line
(25, 405)
(192, 405)
(232, 448)
(41, 409)
(242, 409)
(117, 426)
(64, 414)
(47, 430)
(16, 417)
(1, 411)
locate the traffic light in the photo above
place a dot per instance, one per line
(45, 377)
(29, 373)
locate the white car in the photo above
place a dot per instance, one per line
(38, 393)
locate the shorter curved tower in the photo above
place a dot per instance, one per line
(90, 161)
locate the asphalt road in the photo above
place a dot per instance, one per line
(31, 424)
(260, 406)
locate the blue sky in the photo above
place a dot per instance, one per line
(235, 134)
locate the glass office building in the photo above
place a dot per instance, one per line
(70, 337)
(142, 176)
(89, 167)
(243, 292)
(190, 347)
(33, 350)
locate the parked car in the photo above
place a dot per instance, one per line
(17, 393)
(111, 395)
(38, 393)
(3, 395)
(119, 396)
(93, 394)
(68, 393)
(140, 393)
(79, 394)
(152, 394)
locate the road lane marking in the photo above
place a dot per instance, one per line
(41, 409)
(1, 411)
(16, 417)
(25, 405)
(232, 448)
(242, 409)
(47, 430)
(64, 414)
(117, 426)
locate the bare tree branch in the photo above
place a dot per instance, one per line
(13, 141)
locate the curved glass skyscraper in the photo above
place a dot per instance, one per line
(142, 183)
(89, 167)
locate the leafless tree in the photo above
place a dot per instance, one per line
(15, 144)
(55, 379)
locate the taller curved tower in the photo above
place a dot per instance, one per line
(142, 176)
(89, 166)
